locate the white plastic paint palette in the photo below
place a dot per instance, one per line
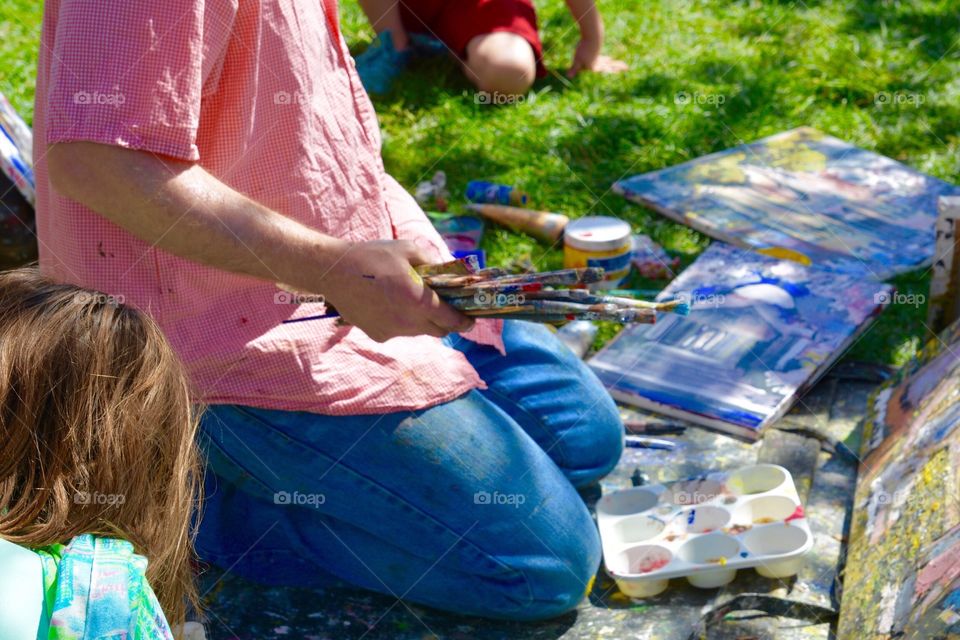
(704, 529)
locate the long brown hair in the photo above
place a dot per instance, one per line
(97, 429)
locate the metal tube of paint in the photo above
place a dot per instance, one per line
(578, 336)
(542, 225)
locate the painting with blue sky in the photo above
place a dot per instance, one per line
(760, 331)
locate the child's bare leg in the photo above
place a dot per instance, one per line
(384, 15)
(501, 62)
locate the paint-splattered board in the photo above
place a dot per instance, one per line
(241, 610)
(760, 332)
(844, 207)
(944, 305)
(903, 568)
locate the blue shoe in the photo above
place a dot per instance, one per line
(380, 64)
(427, 45)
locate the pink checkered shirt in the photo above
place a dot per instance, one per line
(265, 96)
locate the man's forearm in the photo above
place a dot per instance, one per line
(182, 209)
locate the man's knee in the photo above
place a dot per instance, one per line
(605, 447)
(501, 62)
(558, 570)
(559, 592)
(585, 421)
(592, 445)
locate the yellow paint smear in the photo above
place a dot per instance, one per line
(783, 253)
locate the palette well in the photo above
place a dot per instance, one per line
(704, 529)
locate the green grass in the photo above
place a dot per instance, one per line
(19, 41)
(778, 65)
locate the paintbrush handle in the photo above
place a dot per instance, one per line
(567, 277)
(469, 291)
(322, 316)
(625, 316)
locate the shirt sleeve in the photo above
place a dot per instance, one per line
(128, 74)
(411, 223)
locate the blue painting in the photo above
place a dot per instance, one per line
(760, 331)
(842, 207)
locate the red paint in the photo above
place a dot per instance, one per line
(796, 515)
(652, 564)
(243, 321)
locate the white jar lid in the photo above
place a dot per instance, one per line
(597, 233)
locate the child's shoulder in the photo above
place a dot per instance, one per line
(122, 588)
(21, 592)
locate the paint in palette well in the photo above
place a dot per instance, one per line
(751, 518)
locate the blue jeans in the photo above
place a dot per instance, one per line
(467, 506)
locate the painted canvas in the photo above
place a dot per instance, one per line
(903, 565)
(16, 150)
(760, 331)
(944, 305)
(842, 207)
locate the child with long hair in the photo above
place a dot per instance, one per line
(99, 471)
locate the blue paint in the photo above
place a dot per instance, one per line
(952, 601)
(692, 516)
(795, 289)
(479, 254)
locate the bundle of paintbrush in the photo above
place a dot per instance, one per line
(492, 293)
(495, 293)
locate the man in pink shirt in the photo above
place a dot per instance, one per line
(201, 159)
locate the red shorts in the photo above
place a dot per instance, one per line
(457, 22)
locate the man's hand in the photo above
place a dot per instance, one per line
(375, 288)
(587, 57)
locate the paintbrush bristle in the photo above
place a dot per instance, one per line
(676, 305)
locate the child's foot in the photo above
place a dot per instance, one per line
(380, 64)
